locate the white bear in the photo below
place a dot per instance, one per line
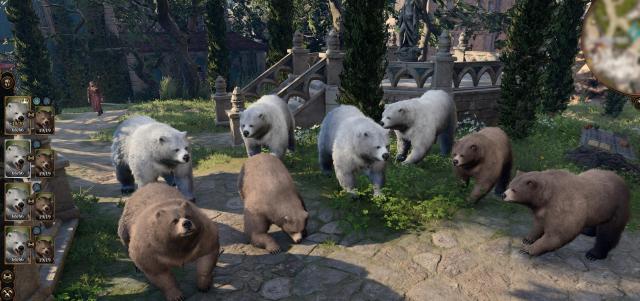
(16, 204)
(16, 247)
(144, 149)
(418, 121)
(268, 123)
(15, 116)
(350, 142)
(15, 161)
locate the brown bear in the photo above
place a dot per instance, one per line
(270, 197)
(44, 250)
(44, 120)
(43, 163)
(595, 202)
(44, 207)
(485, 156)
(161, 229)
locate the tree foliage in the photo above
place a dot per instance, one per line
(32, 58)
(280, 28)
(218, 55)
(562, 37)
(365, 36)
(313, 19)
(523, 57)
(614, 103)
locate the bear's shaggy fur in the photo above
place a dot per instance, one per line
(43, 163)
(485, 156)
(44, 120)
(162, 230)
(16, 203)
(15, 161)
(44, 249)
(418, 121)
(270, 197)
(15, 117)
(350, 142)
(268, 123)
(595, 202)
(43, 206)
(144, 149)
(16, 247)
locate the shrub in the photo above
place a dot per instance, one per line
(614, 103)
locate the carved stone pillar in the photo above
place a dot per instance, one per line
(443, 61)
(335, 60)
(237, 106)
(222, 101)
(300, 54)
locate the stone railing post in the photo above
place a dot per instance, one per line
(300, 54)
(443, 62)
(459, 51)
(222, 101)
(392, 49)
(237, 106)
(335, 59)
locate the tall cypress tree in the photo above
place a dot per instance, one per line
(365, 37)
(280, 27)
(34, 69)
(523, 57)
(563, 35)
(217, 32)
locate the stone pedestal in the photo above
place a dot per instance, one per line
(237, 106)
(300, 54)
(222, 101)
(443, 61)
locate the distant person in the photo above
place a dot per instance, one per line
(94, 97)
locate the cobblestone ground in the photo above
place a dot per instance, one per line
(473, 257)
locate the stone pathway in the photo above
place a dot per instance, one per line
(473, 257)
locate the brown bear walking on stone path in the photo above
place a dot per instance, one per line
(270, 197)
(485, 156)
(595, 202)
(162, 230)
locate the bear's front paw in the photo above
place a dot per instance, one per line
(593, 255)
(204, 283)
(274, 250)
(527, 241)
(401, 158)
(525, 250)
(175, 295)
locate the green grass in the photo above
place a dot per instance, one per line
(96, 253)
(193, 116)
(104, 135)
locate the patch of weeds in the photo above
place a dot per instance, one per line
(104, 135)
(193, 116)
(328, 244)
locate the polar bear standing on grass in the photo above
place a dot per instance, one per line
(268, 123)
(418, 121)
(350, 142)
(144, 149)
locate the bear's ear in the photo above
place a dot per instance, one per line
(162, 139)
(261, 116)
(159, 213)
(401, 111)
(304, 215)
(364, 134)
(532, 183)
(184, 134)
(518, 173)
(474, 147)
(286, 218)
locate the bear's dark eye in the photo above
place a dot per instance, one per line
(175, 221)
(177, 150)
(251, 126)
(378, 147)
(388, 117)
(187, 216)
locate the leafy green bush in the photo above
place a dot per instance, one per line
(170, 88)
(614, 104)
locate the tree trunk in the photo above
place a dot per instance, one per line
(190, 78)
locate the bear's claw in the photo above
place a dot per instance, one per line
(592, 256)
(527, 241)
(524, 251)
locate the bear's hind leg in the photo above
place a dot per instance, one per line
(445, 141)
(204, 267)
(326, 162)
(125, 177)
(607, 238)
(589, 231)
(256, 227)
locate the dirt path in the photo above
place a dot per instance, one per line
(473, 257)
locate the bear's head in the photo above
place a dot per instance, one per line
(44, 119)
(17, 242)
(173, 149)
(44, 248)
(395, 117)
(178, 221)
(526, 188)
(372, 143)
(16, 155)
(44, 162)
(295, 225)
(16, 198)
(44, 205)
(16, 112)
(467, 152)
(254, 123)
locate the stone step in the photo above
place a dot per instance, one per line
(50, 274)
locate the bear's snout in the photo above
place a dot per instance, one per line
(455, 162)
(385, 156)
(245, 133)
(187, 224)
(21, 118)
(20, 249)
(21, 205)
(186, 158)
(504, 196)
